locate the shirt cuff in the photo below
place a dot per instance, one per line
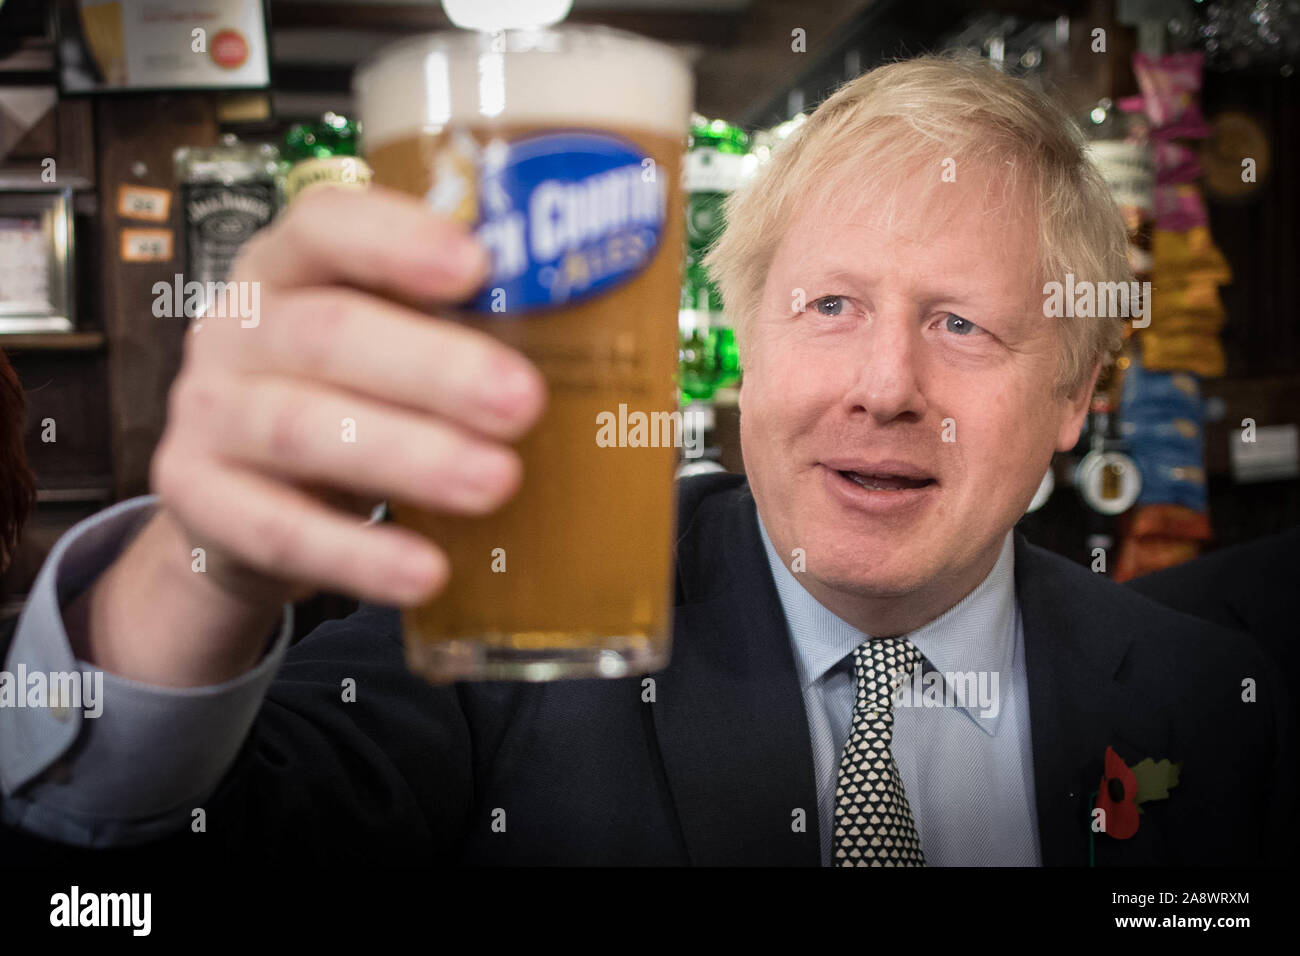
(130, 760)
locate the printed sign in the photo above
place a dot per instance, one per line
(146, 245)
(143, 202)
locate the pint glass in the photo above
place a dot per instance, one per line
(562, 149)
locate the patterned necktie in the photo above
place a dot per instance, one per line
(873, 822)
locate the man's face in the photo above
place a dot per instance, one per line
(921, 352)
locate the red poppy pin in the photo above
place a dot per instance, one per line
(1123, 790)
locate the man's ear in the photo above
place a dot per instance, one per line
(1076, 411)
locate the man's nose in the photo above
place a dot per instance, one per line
(889, 374)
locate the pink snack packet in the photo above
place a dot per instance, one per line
(1171, 89)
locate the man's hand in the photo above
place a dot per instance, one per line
(253, 465)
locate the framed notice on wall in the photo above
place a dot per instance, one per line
(36, 262)
(127, 45)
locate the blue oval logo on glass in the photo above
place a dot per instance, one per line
(565, 217)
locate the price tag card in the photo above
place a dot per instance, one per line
(1274, 455)
(143, 202)
(146, 245)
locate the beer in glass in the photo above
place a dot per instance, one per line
(562, 148)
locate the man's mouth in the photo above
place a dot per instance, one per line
(885, 482)
(888, 488)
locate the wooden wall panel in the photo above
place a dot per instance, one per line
(138, 136)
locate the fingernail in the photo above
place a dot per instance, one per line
(512, 387)
(483, 476)
(465, 257)
(416, 573)
(483, 469)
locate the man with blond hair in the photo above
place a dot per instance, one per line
(870, 665)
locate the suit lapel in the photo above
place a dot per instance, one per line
(729, 713)
(1076, 644)
(731, 728)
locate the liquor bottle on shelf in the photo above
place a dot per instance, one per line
(715, 165)
(227, 194)
(697, 359)
(1107, 478)
(322, 152)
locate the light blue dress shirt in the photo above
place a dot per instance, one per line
(136, 772)
(967, 770)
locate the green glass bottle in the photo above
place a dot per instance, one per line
(697, 345)
(715, 165)
(324, 151)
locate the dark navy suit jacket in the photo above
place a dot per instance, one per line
(714, 770)
(1249, 587)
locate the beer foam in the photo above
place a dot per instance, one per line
(581, 76)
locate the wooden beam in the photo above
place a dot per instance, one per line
(711, 28)
(398, 17)
(764, 59)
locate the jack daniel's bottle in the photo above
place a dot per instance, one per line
(227, 194)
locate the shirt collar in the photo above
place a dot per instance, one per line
(978, 634)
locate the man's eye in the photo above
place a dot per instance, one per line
(959, 326)
(829, 304)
